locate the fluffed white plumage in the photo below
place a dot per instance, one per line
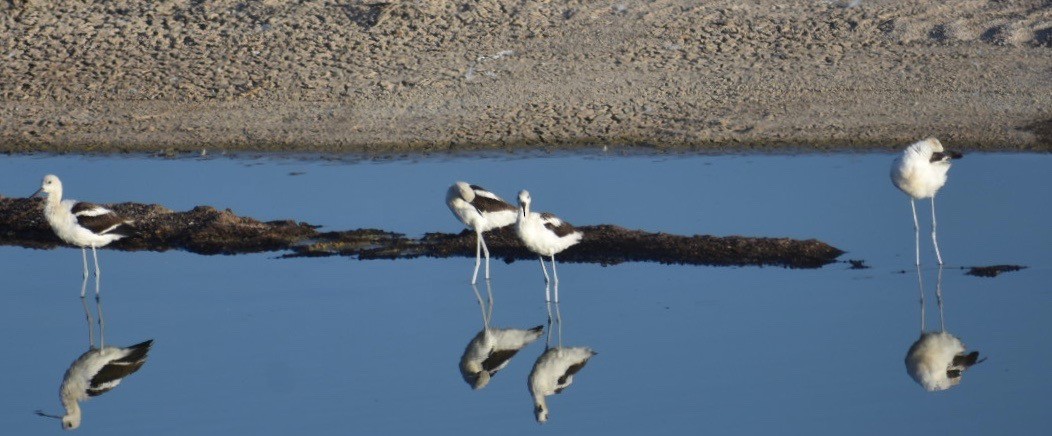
(552, 373)
(937, 360)
(96, 372)
(480, 210)
(920, 172)
(544, 234)
(81, 224)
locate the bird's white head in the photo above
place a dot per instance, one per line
(481, 380)
(50, 185)
(462, 190)
(934, 143)
(540, 411)
(524, 202)
(71, 421)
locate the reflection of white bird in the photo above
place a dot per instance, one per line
(546, 235)
(96, 372)
(554, 372)
(919, 172)
(938, 360)
(492, 349)
(81, 224)
(481, 211)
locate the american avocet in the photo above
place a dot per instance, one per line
(546, 235)
(481, 211)
(94, 373)
(554, 370)
(492, 348)
(938, 360)
(81, 224)
(97, 371)
(919, 172)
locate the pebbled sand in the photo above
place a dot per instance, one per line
(432, 76)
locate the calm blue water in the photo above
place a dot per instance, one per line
(258, 345)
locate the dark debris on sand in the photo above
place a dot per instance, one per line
(206, 230)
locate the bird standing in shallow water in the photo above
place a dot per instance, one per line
(919, 172)
(81, 224)
(481, 211)
(546, 235)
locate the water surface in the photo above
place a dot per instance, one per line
(259, 345)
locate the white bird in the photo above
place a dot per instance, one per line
(492, 348)
(94, 373)
(938, 360)
(480, 210)
(554, 372)
(919, 172)
(546, 235)
(81, 224)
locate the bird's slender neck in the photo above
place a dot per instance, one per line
(539, 403)
(72, 408)
(54, 197)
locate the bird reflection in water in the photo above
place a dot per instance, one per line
(97, 371)
(492, 348)
(554, 370)
(937, 361)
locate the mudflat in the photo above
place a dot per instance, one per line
(438, 76)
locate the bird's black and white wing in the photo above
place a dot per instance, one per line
(557, 225)
(486, 201)
(121, 365)
(100, 220)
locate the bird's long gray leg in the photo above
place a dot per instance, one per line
(91, 322)
(556, 287)
(95, 255)
(478, 256)
(916, 230)
(544, 270)
(102, 323)
(84, 285)
(555, 275)
(934, 240)
(485, 250)
(920, 284)
(938, 298)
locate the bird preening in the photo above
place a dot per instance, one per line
(480, 210)
(920, 172)
(938, 359)
(492, 348)
(542, 233)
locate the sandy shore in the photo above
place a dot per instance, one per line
(351, 76)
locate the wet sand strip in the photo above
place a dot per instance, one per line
(206, 230)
